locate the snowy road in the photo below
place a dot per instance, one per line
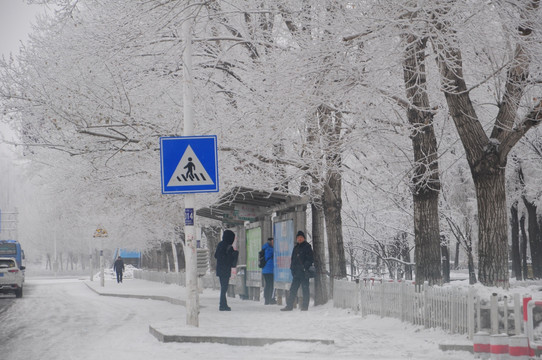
(62, 319)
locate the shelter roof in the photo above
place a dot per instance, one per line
(242, 204)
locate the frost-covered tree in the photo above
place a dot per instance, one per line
(515, 35)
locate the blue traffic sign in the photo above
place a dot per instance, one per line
(189, 164)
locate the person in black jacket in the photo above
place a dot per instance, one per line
(226, 258)
(118, 266)
(302, 259)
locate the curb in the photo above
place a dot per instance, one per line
(456, 347)
(143, 297)
(227, 340)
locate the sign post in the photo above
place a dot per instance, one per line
(101, 233)
(192, 299)
(187, 168)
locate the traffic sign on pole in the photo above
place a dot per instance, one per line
(101, 233)
(189, 164)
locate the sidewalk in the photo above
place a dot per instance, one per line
(251, 325)
(335, 331)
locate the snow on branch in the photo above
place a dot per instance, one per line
(120, 138)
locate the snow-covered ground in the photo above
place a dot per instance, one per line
(64, 319)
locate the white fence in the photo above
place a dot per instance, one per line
(453, 309)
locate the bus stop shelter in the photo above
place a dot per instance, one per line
(255, 215)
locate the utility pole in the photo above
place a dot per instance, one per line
(192, 301)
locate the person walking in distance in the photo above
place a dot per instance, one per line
(118, 266)
(302, 259)
(268, 272)
(226, 258)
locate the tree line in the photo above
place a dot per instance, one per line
(397, 118)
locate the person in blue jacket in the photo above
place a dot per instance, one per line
(268, 272)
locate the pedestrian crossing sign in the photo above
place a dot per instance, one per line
(189, 164)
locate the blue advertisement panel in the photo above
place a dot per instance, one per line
(284, 245)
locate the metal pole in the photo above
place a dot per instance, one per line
(55, 261)
(102, 279)
(90, 266)
(192, 300)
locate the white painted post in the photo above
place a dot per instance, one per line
(102, 277)
(175, 257)
(426, 304)
(382, 299)
(454, 302)
(494, 311)
(478, 313)
(358, 297)
(518, 315)
(192, 300)
(524, 314)
(91, 269)
(403, 299)
(505, 314)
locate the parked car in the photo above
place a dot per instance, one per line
(11, 277)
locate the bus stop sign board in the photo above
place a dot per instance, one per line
(189, 164)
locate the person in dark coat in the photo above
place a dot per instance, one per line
(226, 258)
(268, 272)
(118, 266)
(302, 259)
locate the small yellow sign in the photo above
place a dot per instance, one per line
(100, 232)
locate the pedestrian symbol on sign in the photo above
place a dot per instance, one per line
(191, 167)
(195, 173)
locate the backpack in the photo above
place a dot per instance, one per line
(261, 259)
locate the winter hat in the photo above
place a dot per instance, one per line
(300, 233)
(228, 236)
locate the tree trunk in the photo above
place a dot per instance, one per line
(514, 226)
(469, 250)
(425, 180)
(523, 246)
(492, 225)
(472, 269)
(318, 228)
(48, 263)
(445, 263)
(408, 268)
(320, 284)
(456, 258)
(405, 255)
(212, 233)
(534, 238)
(331, 123)
(333, 220)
